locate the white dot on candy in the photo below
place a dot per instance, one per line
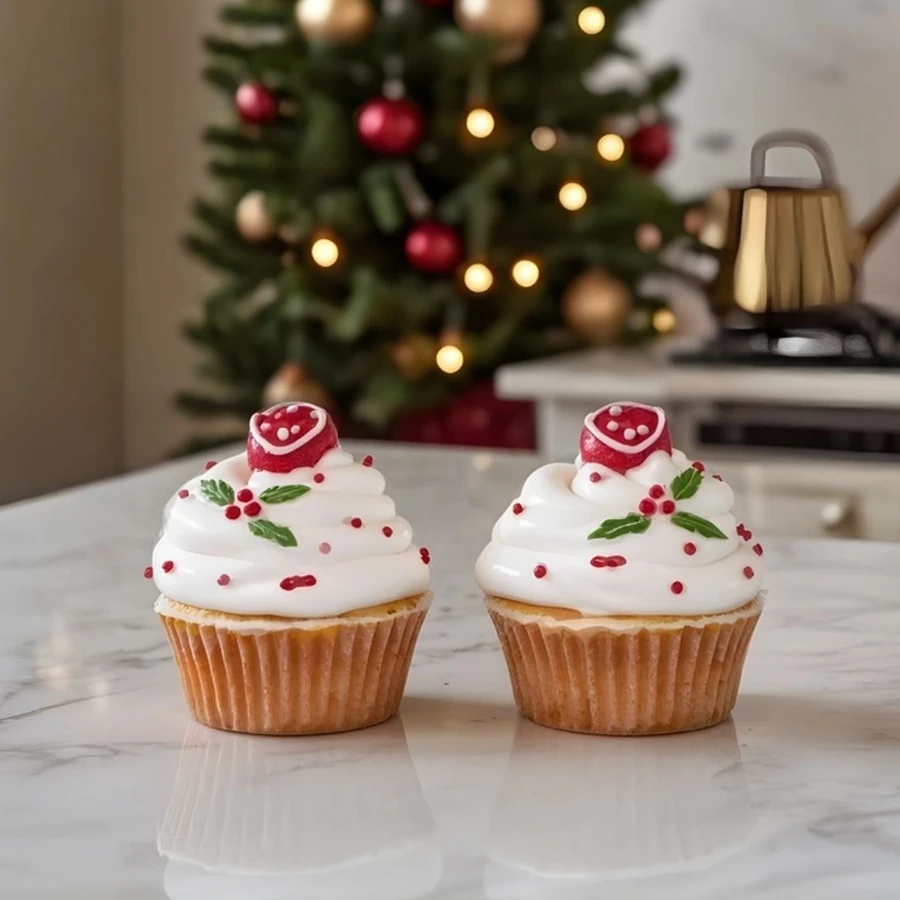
(283, 434)
(266, 426)
(295, 429)
(278, 415)
(629, 434)
(643, 429)
(615, 410)
(293, 409)
(314, 414)
(612, 426)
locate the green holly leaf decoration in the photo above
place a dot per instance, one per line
(280, 535)
(698, 525)
(686, 484)
(283, 493)
(219, 492)
(633, 523)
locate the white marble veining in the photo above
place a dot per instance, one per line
(107, 790)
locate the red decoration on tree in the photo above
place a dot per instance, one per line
(183, 493)
(434, 247)
(391, 127)
(622, 435)
(650, 146)
(256, 104)
(289, 436)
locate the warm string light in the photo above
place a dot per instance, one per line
(526, 273)
(592, 20)
(324, 252)
(611, 147)
(480, 123)
(664, 320)
(478, 278)
(544, 138)
(572, 195)
(449, 359)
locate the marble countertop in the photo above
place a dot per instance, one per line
(108, 790)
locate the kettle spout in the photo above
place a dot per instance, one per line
(877, 220)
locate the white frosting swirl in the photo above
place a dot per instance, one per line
(343, 567)
(546, 533)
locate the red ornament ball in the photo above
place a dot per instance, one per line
(391, 127)
(256, 104)
(650, 146)
(433, 247)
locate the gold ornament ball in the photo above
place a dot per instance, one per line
(664, 320)
(596, 306)
(414, 355)
(512, 23)
(252, 218)
(337, 21)
(648, 237)
(291, 383)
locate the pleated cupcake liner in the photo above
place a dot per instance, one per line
(597, 680)
(346, 674)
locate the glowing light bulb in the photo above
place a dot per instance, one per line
(572, 195)
(592, 20)
(664, 320)
(543, 138)
(449, 359)
(480, 123)
(478, 278)
(324, 252)
(526, 273)
(611, 147)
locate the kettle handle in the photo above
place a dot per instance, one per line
(803, 140)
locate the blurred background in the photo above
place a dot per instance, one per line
(454, 221)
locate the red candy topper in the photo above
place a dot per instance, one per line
(621, 436)
(289, 436)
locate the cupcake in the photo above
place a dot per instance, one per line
(290, 591)
(622, 588)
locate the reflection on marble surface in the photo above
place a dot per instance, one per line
(334, 816)
(577, 810)
(95, 769)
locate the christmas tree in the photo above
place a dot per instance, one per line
(417, 192)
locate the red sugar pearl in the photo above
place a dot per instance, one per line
(540, 570)
(209, 465)
(148, 572)
(387, 531)
(426, 556)
(657, 491)
(184, 492)
(676, 587)
(318, 478)
(647, 506)
(356, 522)
(717, 477)
(245, 495)
(517, 509)
(600, 562)
(297, 581)
(223, 580)
(748, 572)
(325, 548)
(232, 512)
(668, 507)
(253, 509)
(757, 549)
(698, 466)
(168, 565)
(367, 461)
(690, 548)
(595, 477)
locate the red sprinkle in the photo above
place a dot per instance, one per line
(168, 565)
(657, 491)
(647, 506)
(540, 570)
(245, 495)
(690, 548)
(668, 507)
(517, 509)
(387, 531)
(717, 477)
(223, 580)
(748, 572)
(676, 587)
(612, 562)
(325, 547)
(148, 572)
(297, 581)
(757, 549)
(209, 465)
(184, 492)
(367, 461)
(595, 477)
(698, 466)
(253, 509)
(356, 522)
(426, 556)
(232, 512)
(318, 478)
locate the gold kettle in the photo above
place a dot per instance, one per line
(787, 246)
